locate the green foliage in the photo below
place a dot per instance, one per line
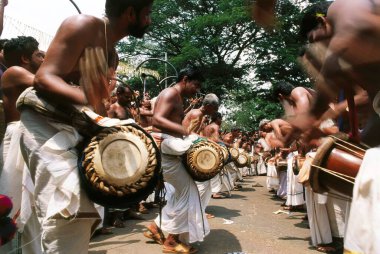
(221, 38)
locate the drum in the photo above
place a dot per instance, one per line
(226, 153)
(298, 163)
(281, 165)
(234, 153)
(243, 160)
(120, 166)
(204, 160)
(336, 165)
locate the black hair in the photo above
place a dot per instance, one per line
(15, 48)
(282, 87)
(310, 18)
(216, 116)
(192, 73)
(2, 43)
(115, 8)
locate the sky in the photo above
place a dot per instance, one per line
(23, 16)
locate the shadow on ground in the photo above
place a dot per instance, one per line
(213, 244)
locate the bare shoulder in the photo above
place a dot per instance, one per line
(82, 26)
(301, 91)
(13, 74)
(169, 94)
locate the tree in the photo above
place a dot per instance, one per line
(237, 56)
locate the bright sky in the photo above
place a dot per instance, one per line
(44, 15)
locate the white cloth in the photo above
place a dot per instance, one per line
(204, 189)
(272, 177)
(49, 151)
(363, 228)
(183, 213)
(281, 192)
(318, 219)
(261, 167)
(216, 183)
(294, 188)
(337, 209)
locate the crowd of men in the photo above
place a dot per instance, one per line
(39, 151)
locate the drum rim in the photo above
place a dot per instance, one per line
(204, 176)
(106, 188)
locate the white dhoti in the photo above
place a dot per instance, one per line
(272, 177)
(16, 182)
(183, 213)
(261, 167)
(216, 184)
(204, 189)
(49, 150)
(281, 192)
(363, 228)
(320, 230)
(295, 196)
(337, 208)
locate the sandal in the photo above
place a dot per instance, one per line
(209, 216)
(179, 248)
(326, 249)
(217, 196)
(155, 235)
(118, 223)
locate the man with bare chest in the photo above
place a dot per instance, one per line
(182, 217)
(122, 108)
(194, 121)
(81, 53)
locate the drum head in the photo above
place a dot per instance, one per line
(234, 153)
(121, 158)
(204, 160)
(242, 160)
(120, 166)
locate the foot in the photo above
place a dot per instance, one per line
(142, 209)
(209, 216)
(118, 223)
(155, 233)
(217, 196)
(326, 249)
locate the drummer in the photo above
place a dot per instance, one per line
(195, 119)
(182, 217)
(65, 213)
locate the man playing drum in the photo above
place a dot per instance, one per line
(194, 121)
(182, 217)
(48, 146)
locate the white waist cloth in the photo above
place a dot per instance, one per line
(183, 213)
(15, 179)
(363, 229)
(49, 149)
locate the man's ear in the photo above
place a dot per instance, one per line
(130, 14)
(25, 60)
(185, 78)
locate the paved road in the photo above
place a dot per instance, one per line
(244, 223)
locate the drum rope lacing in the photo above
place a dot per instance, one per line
(102, 184)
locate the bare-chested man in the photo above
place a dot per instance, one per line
(194, 121)
(23, 59)
(81, 41)
(211, 131)
(349, 37)
(183, 213)
(146, 113)
(294, 100)
(122, 108)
